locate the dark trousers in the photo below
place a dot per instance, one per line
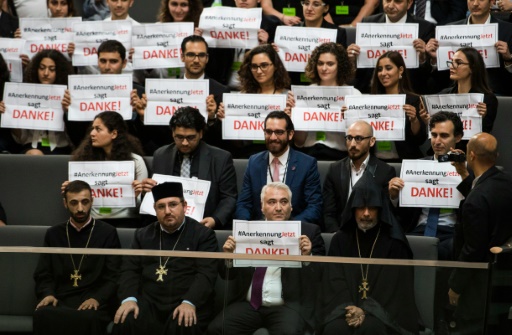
(370, 326)
(240, 318)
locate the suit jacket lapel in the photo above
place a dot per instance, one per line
(292, 166)
(169, 164)
(345, 176)
(263, 169)
(205, 158)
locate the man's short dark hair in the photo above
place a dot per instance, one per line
(187, 117)
(280, 115)
(443, 116)
(76, 186)
(193, 39)
(113, 46)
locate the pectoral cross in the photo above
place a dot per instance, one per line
(75, 277)
(364, 288)
(160, 272)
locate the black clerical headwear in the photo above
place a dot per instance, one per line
(167, 190)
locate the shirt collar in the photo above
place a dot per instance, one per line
(486, 21)
(402, 20)
(364, 164)
(282, 159)
(78, 229)
(185, 77)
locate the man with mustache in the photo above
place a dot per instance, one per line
(281, 163)
(74, 291)
(344, 174)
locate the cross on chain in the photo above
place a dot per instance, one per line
(160, 272)
(75, 277)
(364, 288)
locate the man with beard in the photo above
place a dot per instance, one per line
(168, 295)
(369, 299)
(189, 156)
(281, 163)
(344, 174)
(74, 291)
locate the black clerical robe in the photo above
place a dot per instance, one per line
(190, 279)
(98, 273)
(389, 304)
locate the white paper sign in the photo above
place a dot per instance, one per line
(93, 94)
(33, 106)
(482, 37)
(89, 35)
(11, 49)
(47, 33)
(384, 113)
(375, 39)
(159, 45)
(462, 104)
(246, 113)
(267, 238)
(428, 183)
(318, 108)
(165, 96)
(195, 192)
(297, 43)
(111, 181)
(228, 27)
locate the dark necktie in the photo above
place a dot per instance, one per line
(257, 287)
(421, 5)
(432, 220)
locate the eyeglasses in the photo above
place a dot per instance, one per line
(262, 66)
(455, 64)
(357, 138)
(278, 132)
(192, 56)
(314, 4)
(189, 138)
(171, 205)
(180, 4)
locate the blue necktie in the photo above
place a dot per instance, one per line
(432, 220)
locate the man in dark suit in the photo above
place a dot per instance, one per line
(287, 304)
(190, 157)
(441, 11)
(499, 78)
(281, 163)
(395, 11)
(485, 222)
(446, 130)
(343, 175)
(194, 54)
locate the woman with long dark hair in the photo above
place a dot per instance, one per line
(109, 140)
(180, 11)
(261, 72)
(391, 77)
(467, 70)
(48, 67)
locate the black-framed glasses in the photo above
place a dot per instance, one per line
(455, 64)
(262, 66)
(314, 4)
(189, 138)
(192, 56)
(278, 132)
(357, 138)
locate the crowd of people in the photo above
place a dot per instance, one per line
(359, 201)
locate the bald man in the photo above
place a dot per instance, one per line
(486, 221)
(344, 174)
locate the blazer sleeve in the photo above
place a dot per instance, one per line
(245, 201)
(228, 192)
(312, 196)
